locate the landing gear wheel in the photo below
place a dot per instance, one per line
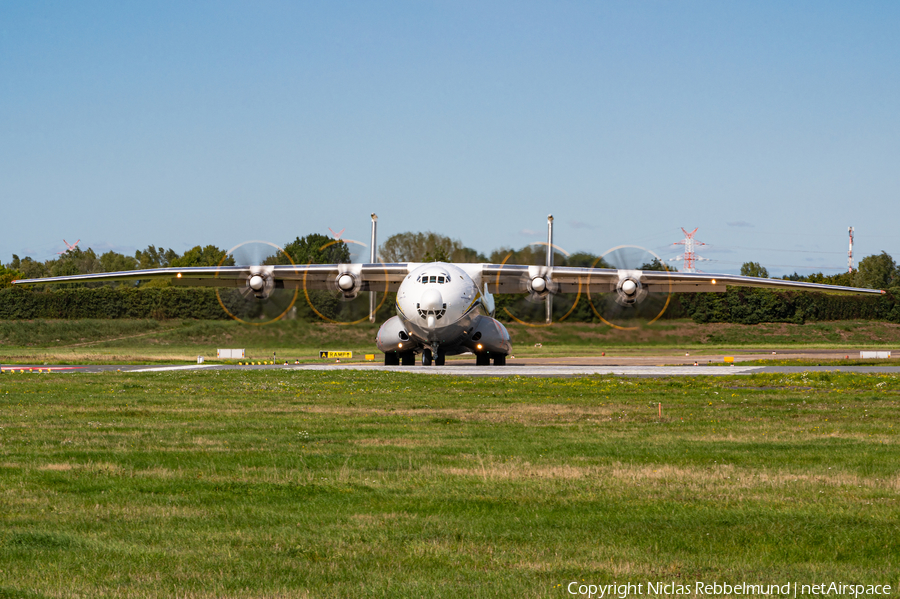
(408, 358)
(482, 360)
(392, 359)
(426, 357)
(439, 360)
(500, 360)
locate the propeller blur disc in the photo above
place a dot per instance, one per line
(631, 306)
(343, 303)
(528, 306)
(260, 300)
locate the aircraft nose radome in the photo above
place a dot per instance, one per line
(431, 300)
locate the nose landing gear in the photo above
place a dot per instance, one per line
(428, 357)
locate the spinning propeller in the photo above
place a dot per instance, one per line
(339, 303)
(262, 299)
(536, 286)
(634, 300)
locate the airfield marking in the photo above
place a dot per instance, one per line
(39, 368)
(162, 368)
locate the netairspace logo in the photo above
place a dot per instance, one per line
(717, 589)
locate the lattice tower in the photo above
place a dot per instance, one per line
(689, 257)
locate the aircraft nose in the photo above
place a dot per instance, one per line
(431, 300)
(431, 307)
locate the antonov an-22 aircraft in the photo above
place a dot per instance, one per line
(447, 309)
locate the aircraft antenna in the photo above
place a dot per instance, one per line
(690, 256)
(549, 305)
(372, 261)
(850, 253)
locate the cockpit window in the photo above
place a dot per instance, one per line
(439, 279)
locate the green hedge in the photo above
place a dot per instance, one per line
(737, 305)
(743, 305)
(109, 302)
(18, 303)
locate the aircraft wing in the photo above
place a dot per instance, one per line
(362, 277)
(506, 278)
(501, 278)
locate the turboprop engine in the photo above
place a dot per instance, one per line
(261, 282)
(629, 290)
(538, 283)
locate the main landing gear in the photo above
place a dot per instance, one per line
(485, 359)
(406, 358)
(482, 360)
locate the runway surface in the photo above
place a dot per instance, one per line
(465, 369)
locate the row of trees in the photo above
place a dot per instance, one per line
(313, 248)
(78, 261)
(878, 271)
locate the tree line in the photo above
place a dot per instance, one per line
(878, 271)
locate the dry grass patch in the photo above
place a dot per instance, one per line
(160, 473)
(400, 442)
(56, 467)
(702, 480)
(519, 470)
(379, 519)
(208, 443)
(514, 413)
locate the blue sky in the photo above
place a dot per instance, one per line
(771, 126)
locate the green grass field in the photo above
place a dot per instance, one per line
(303, 484)
(150, 341)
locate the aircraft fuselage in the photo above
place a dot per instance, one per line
(442, 310)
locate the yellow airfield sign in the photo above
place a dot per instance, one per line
(335, 354)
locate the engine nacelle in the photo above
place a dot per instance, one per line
(629, 290)
(540, 286)
(539, 282)
(348, 284)
(261, 284)
(393, 336)
(489, 336)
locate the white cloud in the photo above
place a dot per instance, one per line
(577, 224)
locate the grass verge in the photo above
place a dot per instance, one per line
(305, 484)
(148, 341)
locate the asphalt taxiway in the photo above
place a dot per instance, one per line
(468, 369)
